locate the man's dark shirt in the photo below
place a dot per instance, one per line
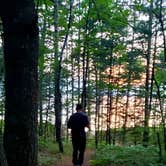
(77, 122)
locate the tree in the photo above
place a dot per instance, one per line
(147, 81)
(57, 76)
(3, 161)
(19, 20)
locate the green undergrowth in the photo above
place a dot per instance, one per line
(49, 154)
(107, 155)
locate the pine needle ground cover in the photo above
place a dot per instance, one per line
(107, 155)
(49, 153)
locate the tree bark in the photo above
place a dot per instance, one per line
(85, 63)
(3, 161)
(41, 73)
(57, 74)
(147, 89)
(20, 28)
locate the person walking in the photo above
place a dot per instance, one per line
(77, 123)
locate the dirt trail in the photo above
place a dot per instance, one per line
(67, 160)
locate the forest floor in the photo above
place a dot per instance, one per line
(67, 160)
(49, 154)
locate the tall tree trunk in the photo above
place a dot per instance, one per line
(162, 112)
(85, 61)
(57, 70)
(72, 86)
(160, 17)
(21, 81)
(97, 103)
(78, 57)
(116, 116)
(67, 108)
(3, 161)
(126, 110)
(109, 99)
(48, 108)
(41, 70)
(148, 57)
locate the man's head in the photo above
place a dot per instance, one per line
(79, 107)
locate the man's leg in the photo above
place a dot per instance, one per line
(82, 146)
(75, 151)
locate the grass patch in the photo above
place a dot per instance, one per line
(107, 155)
(47, 159)
(49, 153)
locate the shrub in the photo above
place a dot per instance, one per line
(107, 155)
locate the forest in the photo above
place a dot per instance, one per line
(108, 55)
